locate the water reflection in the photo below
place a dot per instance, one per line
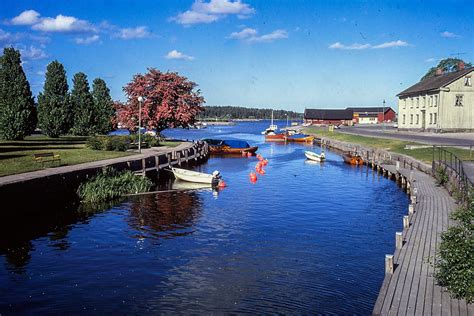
(165, 214)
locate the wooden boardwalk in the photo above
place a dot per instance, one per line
(412, 288)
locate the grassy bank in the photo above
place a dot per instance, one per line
(17, 156)
(393, 145)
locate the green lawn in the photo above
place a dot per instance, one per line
(17, 156)
(393, 145)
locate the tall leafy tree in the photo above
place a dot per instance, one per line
(170, 100)
(103, 105)
(54, 107)
(446, 65)
(83, 105)
(17, 107)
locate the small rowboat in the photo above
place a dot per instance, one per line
(300, 138)
(275, 137)
(352, 158)
(192, 176)
(314, 156)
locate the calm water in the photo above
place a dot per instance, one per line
(306, 238)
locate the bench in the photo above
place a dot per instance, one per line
(47, 157)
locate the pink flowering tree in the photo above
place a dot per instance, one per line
(170, 100)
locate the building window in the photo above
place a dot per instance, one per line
(417, 103)
(434, 118)
(417, 119)
(404, 103)
(431, 101)
(411, 103)
(424, 102)
(411, 119)
(431, 118)
(436, 100)
(458, 100)
(467, 81)
(403, 120)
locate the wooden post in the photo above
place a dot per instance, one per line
(398, 240)
(413, 199)
(406, 222)
(397, 165)
(388, 264)
(157, 163)
(143, 166)
(411, 209)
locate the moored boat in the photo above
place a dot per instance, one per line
(352, 158)
(314, 156)
(213, 179)
(300, 138)
(275, 137)
(218, 146)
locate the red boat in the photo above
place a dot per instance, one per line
(275, 137)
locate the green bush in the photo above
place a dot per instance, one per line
(455, 262)
(441, 176)
(149, 140)
(110, 184)
(109, 143)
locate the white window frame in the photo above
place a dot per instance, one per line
(467, 81)
(435, 101)
(434, 118)
(403, 119)
(459, 100)
(431, 118)
(411, 119)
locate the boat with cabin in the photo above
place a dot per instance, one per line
(220, 146)
(272, 134)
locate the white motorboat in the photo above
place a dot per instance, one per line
(192, 176)
(314, 156)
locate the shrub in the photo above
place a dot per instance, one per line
(455, 262)
(110, 184)
(109, 143)
(441, 176)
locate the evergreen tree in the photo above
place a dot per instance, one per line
(83, 105)
(17, 107)
(55, 112)
(103, 104)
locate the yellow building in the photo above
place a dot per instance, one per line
(444, 102)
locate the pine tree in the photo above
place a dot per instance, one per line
(103, 104)
(17, 107)
(83, 105)
(55, 112)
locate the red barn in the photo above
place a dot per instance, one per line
(327, 116)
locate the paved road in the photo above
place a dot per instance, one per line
(458, 139)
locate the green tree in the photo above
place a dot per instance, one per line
(17, 107)
(446, 65)
(54, 107)
(103, 105)
(83, 105)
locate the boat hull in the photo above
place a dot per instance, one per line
(306, 139)
(221, 150)
(352, 160)
(314, 156)
(275, 138)
(192, 176)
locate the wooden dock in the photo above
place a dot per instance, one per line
(411, 288)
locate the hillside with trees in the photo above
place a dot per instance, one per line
(238, 112)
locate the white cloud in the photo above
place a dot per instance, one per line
(32, 53)
(398, 43)
(430, 60)
(63, 23)
(87, 40)
(250, 35)
(4, 36)
(208, 12)
(357, 46)
(28, 17)
(134, 32)
(447, 34)
(174, 54)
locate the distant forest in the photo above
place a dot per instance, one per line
(238, 112)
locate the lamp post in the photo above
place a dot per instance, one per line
(140, 100)
(383, 116)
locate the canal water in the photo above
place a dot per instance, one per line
(305, 238)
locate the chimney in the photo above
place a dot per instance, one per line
(460, 65)
(439, 71)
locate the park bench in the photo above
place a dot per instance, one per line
(47, 157)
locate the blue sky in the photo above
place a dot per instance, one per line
(274, 54)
